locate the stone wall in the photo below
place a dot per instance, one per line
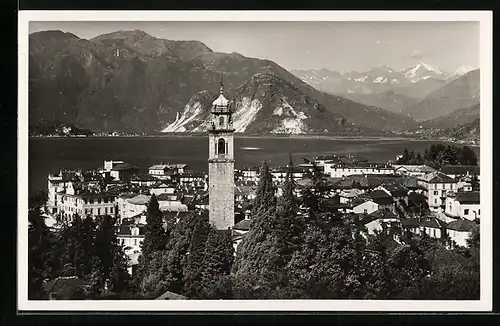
(221, 193)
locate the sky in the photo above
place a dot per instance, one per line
(340, 46)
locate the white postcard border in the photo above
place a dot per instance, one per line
(486, 66)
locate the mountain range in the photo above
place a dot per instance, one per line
(421, 92)
(130, 81)
(417, 81)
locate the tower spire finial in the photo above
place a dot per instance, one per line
(221, 85)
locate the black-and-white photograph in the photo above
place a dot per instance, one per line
(255, 160)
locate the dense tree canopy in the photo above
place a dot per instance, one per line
(83, 248)
(196, 262)
(298, 247)
(439, 154)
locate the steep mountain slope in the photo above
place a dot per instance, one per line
(460, 93)
(462, 70)
(456, 118)
(265, 103)
(62, 70)
(468, 132)
(131, 81)
(422, 88)
(391, 100)
(195, 114)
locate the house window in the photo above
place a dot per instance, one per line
(111, 210)
(135, 242)
(105, 210)
(221, 146)
(435, 201)
(466, 211)
(365, 211)
(221, 121)
(478, 212)
(435, 193)
(99, 211)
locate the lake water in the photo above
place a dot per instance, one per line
(49, 155)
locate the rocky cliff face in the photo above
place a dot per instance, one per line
(264, 104)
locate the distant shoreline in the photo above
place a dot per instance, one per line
(249, 136)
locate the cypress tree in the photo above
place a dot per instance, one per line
(411, 157)
(166, 269)
(419, 159)
(96, 279)
(154, 239)
(88, 238)
(195, 259)
(264, 204)
(120, 280)
(73, 259)
(105, 244)
(154, 236)
(467, 156)
(254, 269)
(289, 223)
(405, 158)
(218, 260)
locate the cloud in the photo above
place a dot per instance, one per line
(416, 54)
(379, 42)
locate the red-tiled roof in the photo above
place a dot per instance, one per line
(437, 177)
(432, 222)
(410, 222)
(460, 169)
(124, 167)
(384, 214)
(242, 225)
(144, 177)
(167, 197)
(396, 189)
(462, 225)
(468, 197)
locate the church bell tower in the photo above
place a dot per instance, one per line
(221, 164)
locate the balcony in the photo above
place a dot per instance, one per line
(221, 110)
(214, 128)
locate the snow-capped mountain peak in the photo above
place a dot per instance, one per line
(422, 71)
(463, 70)
(430, 68)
